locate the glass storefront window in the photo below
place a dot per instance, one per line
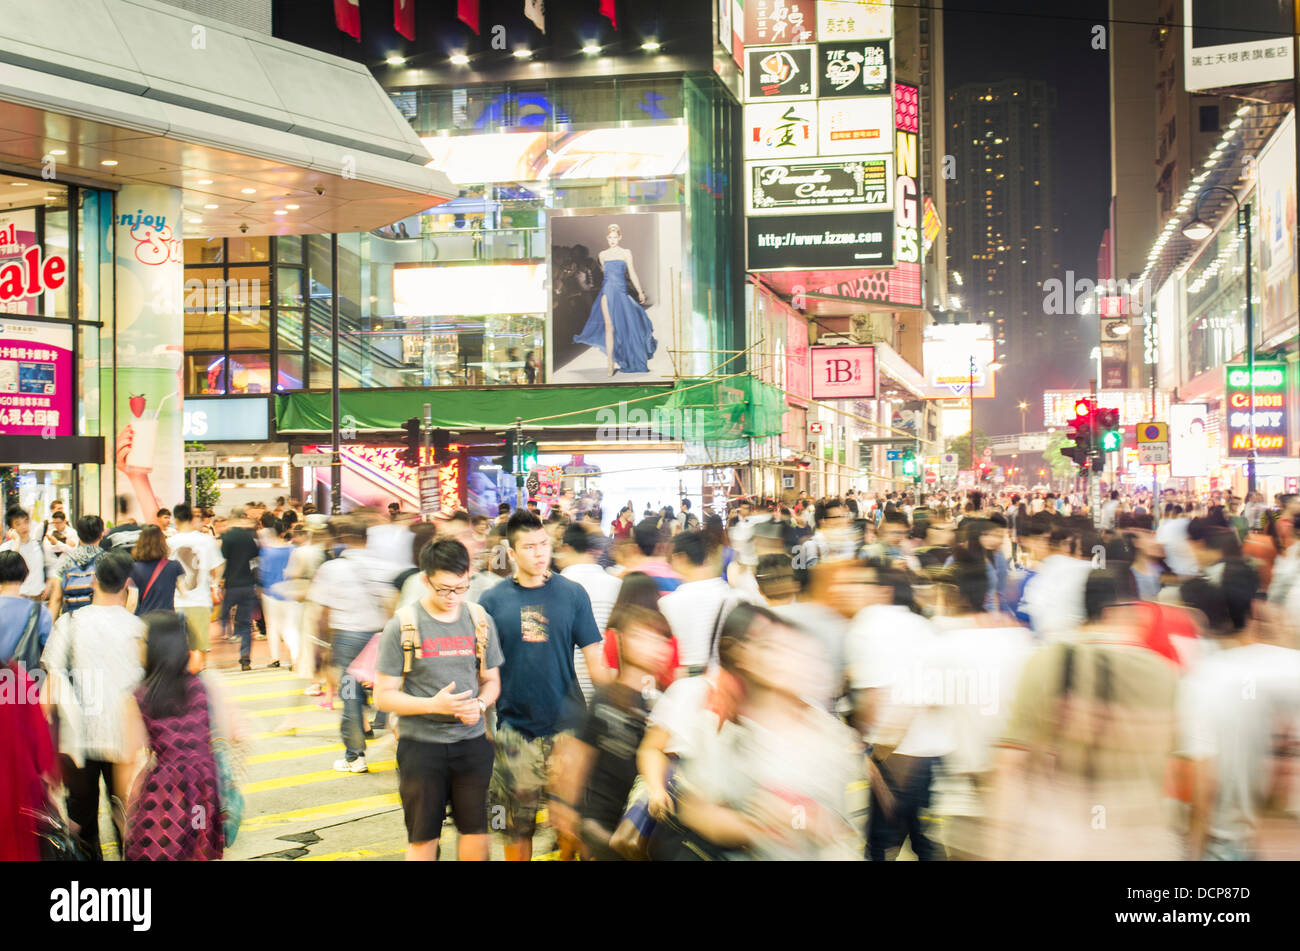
(205, 374)
(249, 329)
(288, 286)
(244, 249)
(205, 330)
(250, 373)
(204, 250)
(289, 371)
(288, 249)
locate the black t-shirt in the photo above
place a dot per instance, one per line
(239, 548)
(162, 594)
(615, 725)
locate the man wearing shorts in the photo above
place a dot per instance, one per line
(540, 617)
(200, 553)
(439, 669)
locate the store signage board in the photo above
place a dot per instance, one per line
(787, 480)
(854, 20)
(781, 130)
(430, 500)
(303, 459)
(821, 241)
(200, 460)
(848, 126)
(1216, 55)
(851, 183)
(37, 382)
(769, 22)
(1270, 410)
(781, 73)
(855, 68)
(840, 373)
(226, 419)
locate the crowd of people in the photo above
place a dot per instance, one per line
(955, 675)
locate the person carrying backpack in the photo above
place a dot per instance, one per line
(24, 624)
(439, 669)
(74, 576)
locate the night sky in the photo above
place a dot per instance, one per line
(992, 40)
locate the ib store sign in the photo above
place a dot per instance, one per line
(843, 373)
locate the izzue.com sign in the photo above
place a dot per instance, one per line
(841, 184)
(828, 241)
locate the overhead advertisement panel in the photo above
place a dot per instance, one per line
(854, 68)
(771, 22)
(781, 130)
(854, 20)
(777, 73)
(846, 126)
(851, 183)
(799, 242)
(1228, 43)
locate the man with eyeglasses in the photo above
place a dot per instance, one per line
(439, 669)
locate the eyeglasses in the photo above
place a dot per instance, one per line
(457, 590)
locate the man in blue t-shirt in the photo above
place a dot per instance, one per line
(540, 618)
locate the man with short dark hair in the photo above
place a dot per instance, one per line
(200, 553)
(439, 669)
(73, 584)
(127, 530)
(57, 540)
(20, 539)
(541, 618)
(577, 560)
(240, 551)
(696, 609)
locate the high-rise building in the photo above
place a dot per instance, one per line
(1002, 227)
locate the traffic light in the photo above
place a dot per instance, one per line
(909, 463)
(507, 458)
(1110, 437)
(528, 456)
(1081, 432)
(411, 441)
(441, 440)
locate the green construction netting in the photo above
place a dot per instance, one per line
(720, 410)
(546, 407)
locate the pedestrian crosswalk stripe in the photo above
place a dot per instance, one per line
(294, 754)
(303, 779)
(285, 711)
(294, 731)
(352, 854)
(231, 683)
(322, 811)
(266, 695)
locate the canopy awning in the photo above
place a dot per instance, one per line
(235, 118)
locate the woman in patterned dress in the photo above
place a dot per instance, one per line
(174, 812)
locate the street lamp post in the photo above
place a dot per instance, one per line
(1023, 406)
(1198, 230)
(970, 395)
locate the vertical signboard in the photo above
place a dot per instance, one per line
(150, 339)
(843, 373)
(1277, 239)
(1189, 442)
(36, 379)
(1270, 410)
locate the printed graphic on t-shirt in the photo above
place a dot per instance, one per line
(459, 645)
(533, 624)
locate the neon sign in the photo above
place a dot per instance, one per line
(1268, 410)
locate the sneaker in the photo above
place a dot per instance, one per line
(315, 690)
(358, 765)
(274, 663)
(245, 665)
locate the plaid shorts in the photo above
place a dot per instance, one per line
(520, 774)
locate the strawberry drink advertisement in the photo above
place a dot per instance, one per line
(148, 451)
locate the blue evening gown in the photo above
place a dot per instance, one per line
(634, 340)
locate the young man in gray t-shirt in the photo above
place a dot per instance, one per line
(439, 669)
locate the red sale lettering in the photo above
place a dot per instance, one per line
(32, 276)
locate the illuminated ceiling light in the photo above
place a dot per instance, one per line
(459, 59)
(395, 60)
(58, 151)
(1197, 230)
(651, 46)
(591, 49)
(211, 206)
(292, 207)
(523, 53)
(281, 211)
(1243, 110)
(108, 161)
(1235, 123)
(249, 191)
(195, 221)
(205, 181)
(18, 184)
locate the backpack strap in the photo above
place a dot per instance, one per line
(479, 616)
(410, 636)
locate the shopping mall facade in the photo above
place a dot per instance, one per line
(268, 271)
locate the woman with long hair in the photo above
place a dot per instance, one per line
(168, 716)
(639, 590)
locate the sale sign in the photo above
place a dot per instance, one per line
(843, 373)
(36, 379)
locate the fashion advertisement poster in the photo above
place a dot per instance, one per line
(612, 291)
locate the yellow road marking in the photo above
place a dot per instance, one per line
(285, 711)
(292, 731)
(303, 779)
(352, 854)
(329, 810)
(268, 695)
(294, 754)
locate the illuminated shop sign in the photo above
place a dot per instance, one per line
(862, 183)
(1269, 408)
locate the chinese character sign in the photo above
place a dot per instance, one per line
(36, 379)
(843, 373)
